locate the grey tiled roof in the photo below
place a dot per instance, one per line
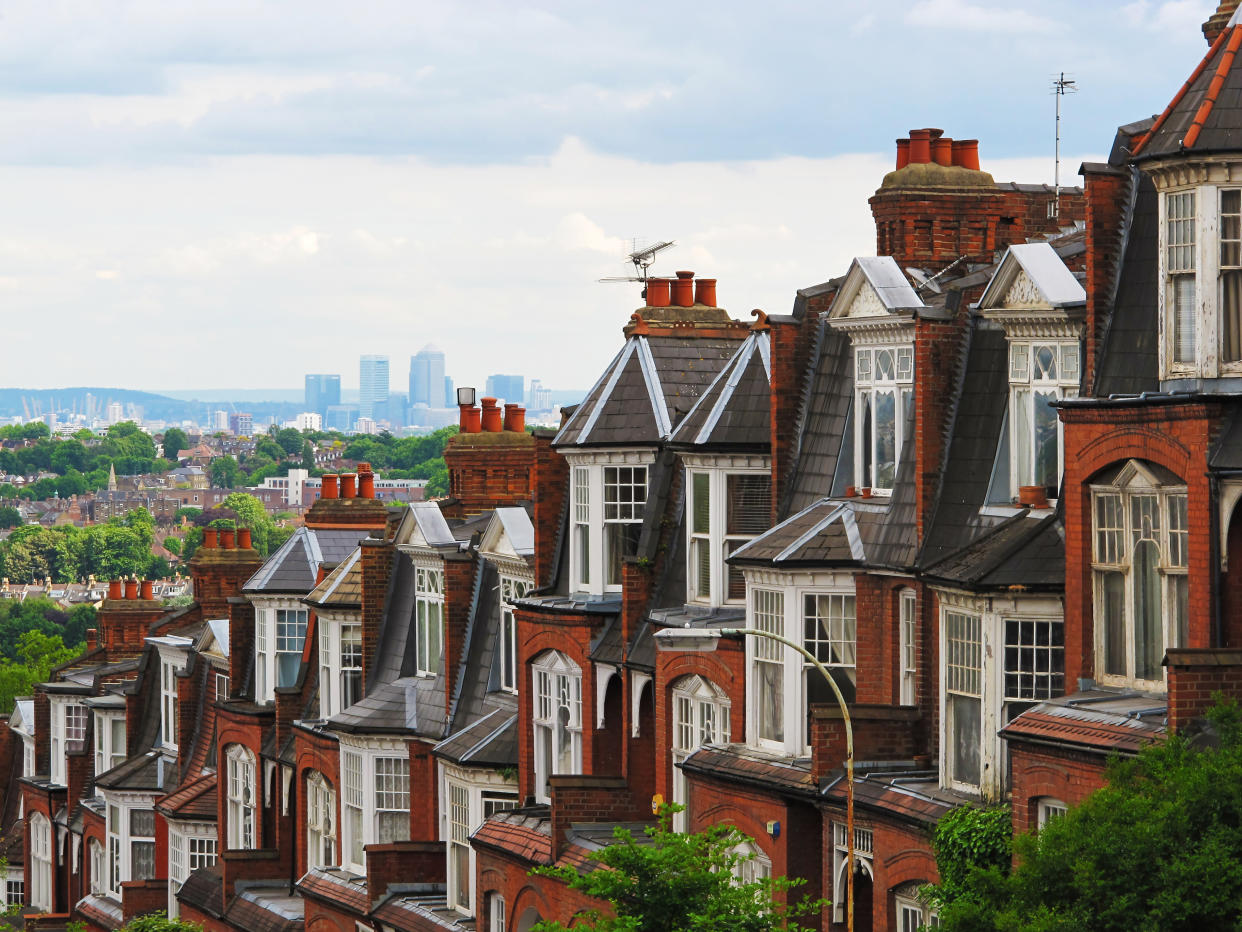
(295, 565)
(824, 437)
(735, 411)
(1128, 357)
(830, 532)
(411, 705)
(1025, 551)
(489, 741)
(149, 771)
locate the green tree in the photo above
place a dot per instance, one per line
(676, 882)
(1158, 848)
(225, 473)
(251, 513)
(158, 922)
(10, 516)
(173, 442)
(173, 545)
(37, 654)
(308, 455)
(186, 514)
(290, 440)
(69, 454)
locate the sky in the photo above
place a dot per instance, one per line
(234, 194)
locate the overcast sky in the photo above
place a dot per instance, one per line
(200, 195)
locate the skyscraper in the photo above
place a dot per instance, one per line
(322, 391)
(373, 387)
(510, 388)
(427, 378)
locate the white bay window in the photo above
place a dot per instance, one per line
(1040, 374)
(191, 845)
(429, 620)
(700, 717)
(609, 500)
(511, 588)
(109, 740)
(130, 826)
(558, 719)
(340, 663)
(320, 821)
(68, 733)
(40, 828)
(375, 790)
(883, 395)
(727, 506)
(241, 801)
(280, 635)
(467, 799)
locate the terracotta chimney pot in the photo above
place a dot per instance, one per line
(658, 292)
(966, 153)
(366, 482)
(942, 151)
(903, 153)
(228, 539)
(348, 489)
(243, 539)
(920, 146)
(148, 590)
(683, 289)
(515, 418)
(131, 589)
(705, 292)
(492, 422)
(210, 538)
(116, 589)
(470, 419)
(329, 489)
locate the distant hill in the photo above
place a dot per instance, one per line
(68, 401)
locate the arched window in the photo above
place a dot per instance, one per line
(41, 862)
(1140, 558)
(241, 797)
(320, 821)
(752, 864)
(558, 719)
(700, 716)
(99, 869)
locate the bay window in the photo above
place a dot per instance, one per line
(725, 509)
(1140, 564)
(1040, 374)
(883, 379)
(168, 701)
(558, 719)
(241, 806)
(340, 664)
(41, 856)
(429, 620)
(191, 845)
(109, 740)
(320, 822)
(1180, 264)
(963, 639)
(280, 634)
(99, 868)
(511, 588)
(829, 632)
(467, 799)
(908, 621)
(609, 499)
(768, 665)
(700, 717)
(130, 825)
(68, 733)
(375, 790)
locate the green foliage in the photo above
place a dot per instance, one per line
(675, 882)
(966, 841)
(37, 654)
(120, 547)
(1158, 848)
(186, 514)
(174, 441)
(10, 516)
(79, 461)
(251, 513)
(225, 473)
(173, 545)
(159, 922)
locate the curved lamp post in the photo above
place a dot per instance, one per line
(706, 639)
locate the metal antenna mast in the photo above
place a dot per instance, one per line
(1060, 87)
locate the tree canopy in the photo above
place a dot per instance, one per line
(80, 463)
(1159, 848)
(676, 882)
(119, 547)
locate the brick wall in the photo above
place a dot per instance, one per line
(403, 862)
(1197, 677)
(791, 342)
(1105, 195)
(241, 642)
(549, 491)
(937, 350)
(490, 469)
(459, 571)
(1038, 771)
(587, 798)
(881, 732)
(377, 557)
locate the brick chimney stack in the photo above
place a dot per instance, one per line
(1216, 23)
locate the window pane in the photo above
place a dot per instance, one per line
(1182, 312)
(964, 713)
(1023, 434)
(1148, 633)
(701, 561)
(885, 439)
(864, 439)
(1047, 447)
(749, 503)
(1181, 609)
(701, 494)
(1113, 604)
(620, 540)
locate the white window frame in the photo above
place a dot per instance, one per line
(41, 862)
(15, 887)
(557, 683)
(171, 663)
(271, 643)
(753, 864)
(69, 716)
(786, 594)
(321, 822)
(108, 752)
(511, 588)
(496, 913)
(880, 370)
(593, 477)
(429, 618)
(120, 810)
(913, 916)
(241, 793)
(1029, 376)
(99, 867)
(962, 653)
(467, 799)
(908, 621)
(340, 663)
(709, 579)
(366, 806)
(1113, 549)
(1048, 808)
(700, 716)
(864, 856)
(191, 845)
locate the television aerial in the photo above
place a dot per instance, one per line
(642, 260)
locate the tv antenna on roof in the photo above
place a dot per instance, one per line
(1060, 87)
(642, 260)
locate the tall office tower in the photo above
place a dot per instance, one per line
(508, 387)
(427, 378)
(373, 387)
(450, 396)
(321, 392)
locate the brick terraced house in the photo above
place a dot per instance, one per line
(987, 477)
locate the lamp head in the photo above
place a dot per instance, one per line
(687, 639)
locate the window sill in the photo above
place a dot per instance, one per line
(1010, 511)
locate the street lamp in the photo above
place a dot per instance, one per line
(706, 639)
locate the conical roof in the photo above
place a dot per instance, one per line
(1206, 114)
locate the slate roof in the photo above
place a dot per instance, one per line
(413, 910)
(1055, 282)
(824, 438)
(411, 705)
(102, 911)
(1102, 721)
(1128, 363)
(294, 567)
(195, 800)
(753, 767)
(735, 411)
(273, 909)
(488, 741)
(1206, 114)
(899, 794)
(1023, 551)
(651, 384)
(342, 588)
(204, 890)
(150, 771)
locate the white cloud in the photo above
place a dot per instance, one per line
(958, 14)
(1178, 19)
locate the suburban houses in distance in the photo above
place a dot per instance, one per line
(986, 476)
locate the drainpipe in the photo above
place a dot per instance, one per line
(1214, 526)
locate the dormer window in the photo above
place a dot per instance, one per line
(884, 379)
(1040, 373)
(1180, 270)
(609, 492)
(1231, 275)
(728, 507)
